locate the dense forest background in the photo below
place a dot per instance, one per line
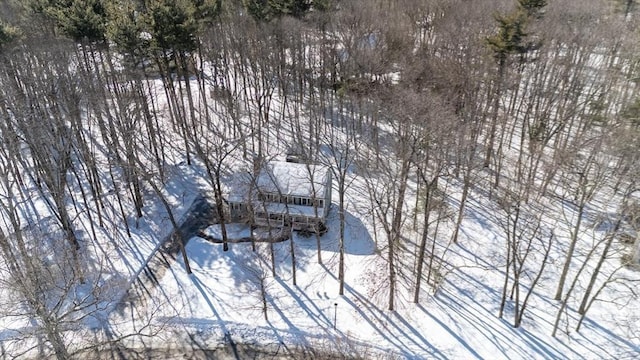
(533, 103)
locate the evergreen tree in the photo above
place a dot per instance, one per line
(127, 29)
(207, 10)
(7, 34)
(510, 37)
(267, 10)
(173, 25)
(532, 8)
(77, 19)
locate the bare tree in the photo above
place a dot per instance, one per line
(176, 235)
(434, 210)
(43, 281)
(528, 242)
(342, 147)
(590, 177)
(387, 182)
(214, 149)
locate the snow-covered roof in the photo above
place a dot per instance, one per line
(239, 189)
(286, 178)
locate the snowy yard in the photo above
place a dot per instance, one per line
(460, 321)
(476, 173)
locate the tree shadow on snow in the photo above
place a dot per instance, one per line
(357, 239)
(392, 327)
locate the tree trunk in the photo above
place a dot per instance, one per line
(423, 242)
(596, 271)
(341, 245)
(396, 224)
(572, 246)
(463, 201)
(494, 115)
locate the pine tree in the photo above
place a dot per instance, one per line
(7, 34)
(173, 25)
(510, 39)
(78, 19)
(126, 28)
(532, 8)
(267, 10)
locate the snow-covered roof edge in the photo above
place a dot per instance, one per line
(294, 179)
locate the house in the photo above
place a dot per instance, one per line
(285, 194)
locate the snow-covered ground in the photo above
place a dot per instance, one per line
(222, 297)
(234, 231)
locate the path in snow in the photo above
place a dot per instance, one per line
(200, 215)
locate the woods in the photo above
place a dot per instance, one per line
(422, 105)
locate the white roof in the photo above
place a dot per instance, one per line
(239, 188)
(286, 178)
